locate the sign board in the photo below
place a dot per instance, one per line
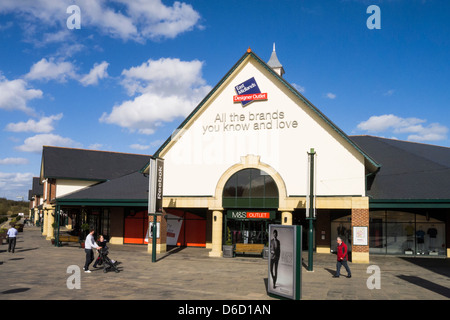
(250, 215)
(285, 261)
(155, 188)
(360, 236)
(247, 92)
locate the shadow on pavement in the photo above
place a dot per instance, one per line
(427, 285)
(18, 290)
(437, 265)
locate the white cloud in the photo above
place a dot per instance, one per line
(97, 72)
(414, 127)
(51, 70)
(35, 143)
(15, 184)
(95, 146)
(168, 88)
(139, 146)
(387, 121)
(14, 95)
(299, 88)
(389, 93)
(15, 179)
(13, 161)
(161, 20)
(331, 96)
(135, 20)
(62, 71)
(44, 125)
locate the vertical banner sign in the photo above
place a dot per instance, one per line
(311, 186)
(152, 187)
(159, 185)
(155, 186)
(285, 261)
(155, 198)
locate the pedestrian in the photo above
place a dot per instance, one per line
(102, 244)
(342, 258)
(89, 244)
(12, 235)
(275, 257)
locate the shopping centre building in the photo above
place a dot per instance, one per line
(241, 161)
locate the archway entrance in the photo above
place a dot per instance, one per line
(250, 199)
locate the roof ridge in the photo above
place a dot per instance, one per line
(93, 150)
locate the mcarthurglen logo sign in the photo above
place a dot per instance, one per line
(247, 92)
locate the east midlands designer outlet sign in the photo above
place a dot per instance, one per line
(248, 91)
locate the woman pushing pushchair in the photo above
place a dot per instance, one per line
(103, 258)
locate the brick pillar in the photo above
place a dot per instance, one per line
(360, 218)
(161, 241)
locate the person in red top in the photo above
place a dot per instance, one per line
(342, 257)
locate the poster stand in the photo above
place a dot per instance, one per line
(285, 262)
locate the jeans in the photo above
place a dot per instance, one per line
(11, 244)
(338, 267)
(89, 258)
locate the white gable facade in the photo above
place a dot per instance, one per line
(254, 119)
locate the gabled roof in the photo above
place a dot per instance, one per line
(131, 188)
(37, 188)
(370, 164)
(409, 170)
(81, 164)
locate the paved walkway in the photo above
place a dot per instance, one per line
(38, 270)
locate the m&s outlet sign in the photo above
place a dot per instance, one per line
(250, 215)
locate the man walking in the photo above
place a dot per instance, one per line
(342, 257)
(88, 245)
(12, 235)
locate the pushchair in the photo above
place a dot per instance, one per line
(107, 263)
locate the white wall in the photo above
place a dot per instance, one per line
(195, 163)
(64, 186)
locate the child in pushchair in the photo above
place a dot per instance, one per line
(103, 258)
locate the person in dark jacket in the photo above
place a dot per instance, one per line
(274, 257)
(102, 244)
(342, 258)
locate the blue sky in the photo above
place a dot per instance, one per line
(134, 70)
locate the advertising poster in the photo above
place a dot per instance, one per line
(360, 236)
(284, 274)
(174, 224)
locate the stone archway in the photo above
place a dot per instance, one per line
(247, 162)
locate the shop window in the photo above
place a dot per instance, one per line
(406, 233)
(250, 188)
(341, 226)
